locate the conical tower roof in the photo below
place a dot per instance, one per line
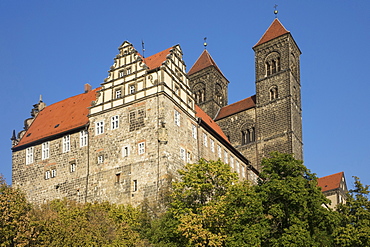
(204, 61)
(275, 30)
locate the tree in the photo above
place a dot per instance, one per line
(292, 204)
(354, 228)
(15, 227)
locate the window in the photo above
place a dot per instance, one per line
(83, 138)
(212, 144)
(189, 157)
(226, 158)
(99, 127)
(237, 167)
(205, 140)
(274, 93)
(45, 150)
(232, 162)
(118, 93)
(73, 167)
(248, 136)
(194, 131)
(47, 174)
(243, 171)
(29, 155)
(53, 173)
(135, 185)
(136, 119)
(125, 151)
(177, 118)
(177, 90)
(128, 70)
(114, 122)
(132, 89)
(141, 147)
(100, 159)
(121, 73)
(118, 177)
(66, 143)
(219, 152)
(182, 154)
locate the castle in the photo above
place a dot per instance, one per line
(125, 141)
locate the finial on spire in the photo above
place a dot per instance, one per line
(276, 11)
(40, 99)
(143, 48)
(205, 43)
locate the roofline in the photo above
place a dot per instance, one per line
(49, 137)
(216, 119)
(226, 143)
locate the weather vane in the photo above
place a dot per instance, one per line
(276, 11)
(205, 43)
(143, 48)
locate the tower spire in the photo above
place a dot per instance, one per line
(276, 11)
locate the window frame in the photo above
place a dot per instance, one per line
(84, 138)
(177, 118)
(99, 127)
(141, 148)
(29, 155)
(66, 143)
(114, 122)
(45, 153)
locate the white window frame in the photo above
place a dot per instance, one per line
(132, 89)
(100, 159)
(231, 162)
(84, 138)
(219, 151)
(99, 127)
(45, 150)
(226, 157)
(212, 144)
(237, 167)
(194, 131)
(188, 156)
(73, 167)
(66, 143)
(177, 118)
(29, 155)
(125, 151)
(182, 154)
(53, 173)
(114, 122)
(205, 140)
(243, 171)
(141, 148)
(47, 175)
(118, 94)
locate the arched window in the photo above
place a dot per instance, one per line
(272, 63)
(248, 136)
(274, 93)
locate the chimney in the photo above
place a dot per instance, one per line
(87, 87)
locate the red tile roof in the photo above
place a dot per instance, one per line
(330, 182)
(156, 60)
(236, 107)
(208, 120)
(275, 30)
(204, 61)
(60, 117)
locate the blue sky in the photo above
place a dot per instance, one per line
(53, 48)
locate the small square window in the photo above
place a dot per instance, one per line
(118, 93)
(100, 159)
(132, 89)
(141, 148)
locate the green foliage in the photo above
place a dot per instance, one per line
(292, 204)
(15, 227)
(354, 228)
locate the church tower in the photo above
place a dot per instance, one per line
(278, 93)
(208, 84)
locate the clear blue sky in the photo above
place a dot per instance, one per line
(54, 47)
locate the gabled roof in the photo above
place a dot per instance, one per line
(204, 61)
(208, 120)
(60, 117)
(236, 107)
(156, 60)
(330, 182)
(275, 30)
